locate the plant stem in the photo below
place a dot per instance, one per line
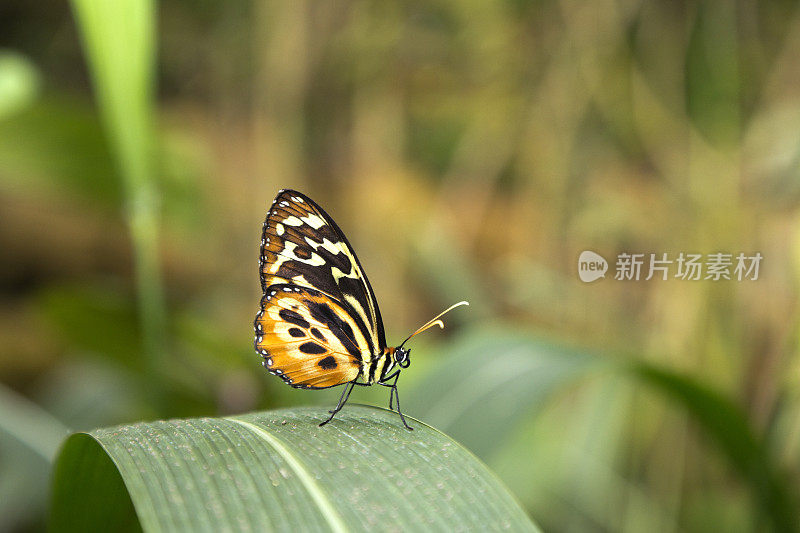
(119, 42)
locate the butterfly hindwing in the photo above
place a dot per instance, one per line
(303, 246)
(308, 338)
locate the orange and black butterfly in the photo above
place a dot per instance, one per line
(319, 325)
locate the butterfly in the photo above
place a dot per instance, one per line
(319, 325)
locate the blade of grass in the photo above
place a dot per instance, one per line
(119, 43)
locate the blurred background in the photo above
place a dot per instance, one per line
(469, 150)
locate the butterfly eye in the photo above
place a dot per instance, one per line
(402, 357)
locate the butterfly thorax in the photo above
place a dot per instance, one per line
(379, 367)
(385, 366)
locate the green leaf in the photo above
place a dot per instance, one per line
(29, 424)
(728, 427)
(29, 439)
(277, 470)
(494, 379)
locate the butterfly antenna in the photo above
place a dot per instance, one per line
(434, 321)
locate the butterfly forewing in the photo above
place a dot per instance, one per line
(303, 246)
(308, 338)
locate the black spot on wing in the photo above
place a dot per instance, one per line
(322, 312)
(327, 363)
(297, 332)
(318, 334)
(312, 348)
(293, 317)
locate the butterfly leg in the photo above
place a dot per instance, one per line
(394, 394)
(340, 405)
(392, 386)
(342, 400)
(399, 412)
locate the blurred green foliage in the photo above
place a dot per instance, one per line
(470, 151)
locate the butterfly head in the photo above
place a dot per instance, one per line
(402, 356)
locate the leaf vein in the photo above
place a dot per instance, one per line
(315, 491)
